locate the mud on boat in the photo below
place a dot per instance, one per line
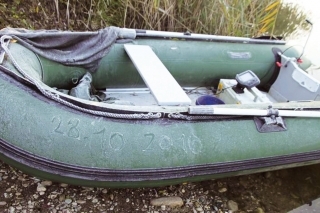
(127, 108)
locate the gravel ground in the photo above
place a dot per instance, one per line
(278, 191)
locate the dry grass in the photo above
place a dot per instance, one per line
(221, 17)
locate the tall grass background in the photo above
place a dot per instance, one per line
(248, 18)
(221, 17)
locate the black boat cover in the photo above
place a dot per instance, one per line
(83, 49)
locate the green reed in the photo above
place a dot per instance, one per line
(221, 17)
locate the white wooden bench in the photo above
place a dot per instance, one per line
(161, 83)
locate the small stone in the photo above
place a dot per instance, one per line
(3, 203)
(127, 200)
(12, 209)
(258, 210)
(87, 189)
(41, 193)
(68, 201)
(81, 201)
(163, 207)
(104, 191)
(46, 183)
(199, 209)
(95, 200)
(41, 188)
(167, 201)
(53, 196)
(62, 197)
(36, 180)
(111, 196)
(222, 190)
(64, 185)
(233, 206)
(25, 185)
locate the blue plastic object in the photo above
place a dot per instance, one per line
(208, 100)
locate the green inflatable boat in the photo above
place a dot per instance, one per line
(132, 108)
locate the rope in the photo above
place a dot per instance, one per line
(56, 97)
(180, 116)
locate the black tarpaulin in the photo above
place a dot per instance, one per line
(83, 49)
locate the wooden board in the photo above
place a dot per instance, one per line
(163, 86)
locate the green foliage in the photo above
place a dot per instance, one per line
(221, 17)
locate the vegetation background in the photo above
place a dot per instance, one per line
(249, 18)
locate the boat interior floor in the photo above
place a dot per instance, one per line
(143, 96)
(292, 85)
(197, 95)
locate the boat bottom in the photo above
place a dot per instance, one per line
(94, 177)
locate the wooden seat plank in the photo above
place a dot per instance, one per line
(162, 84)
